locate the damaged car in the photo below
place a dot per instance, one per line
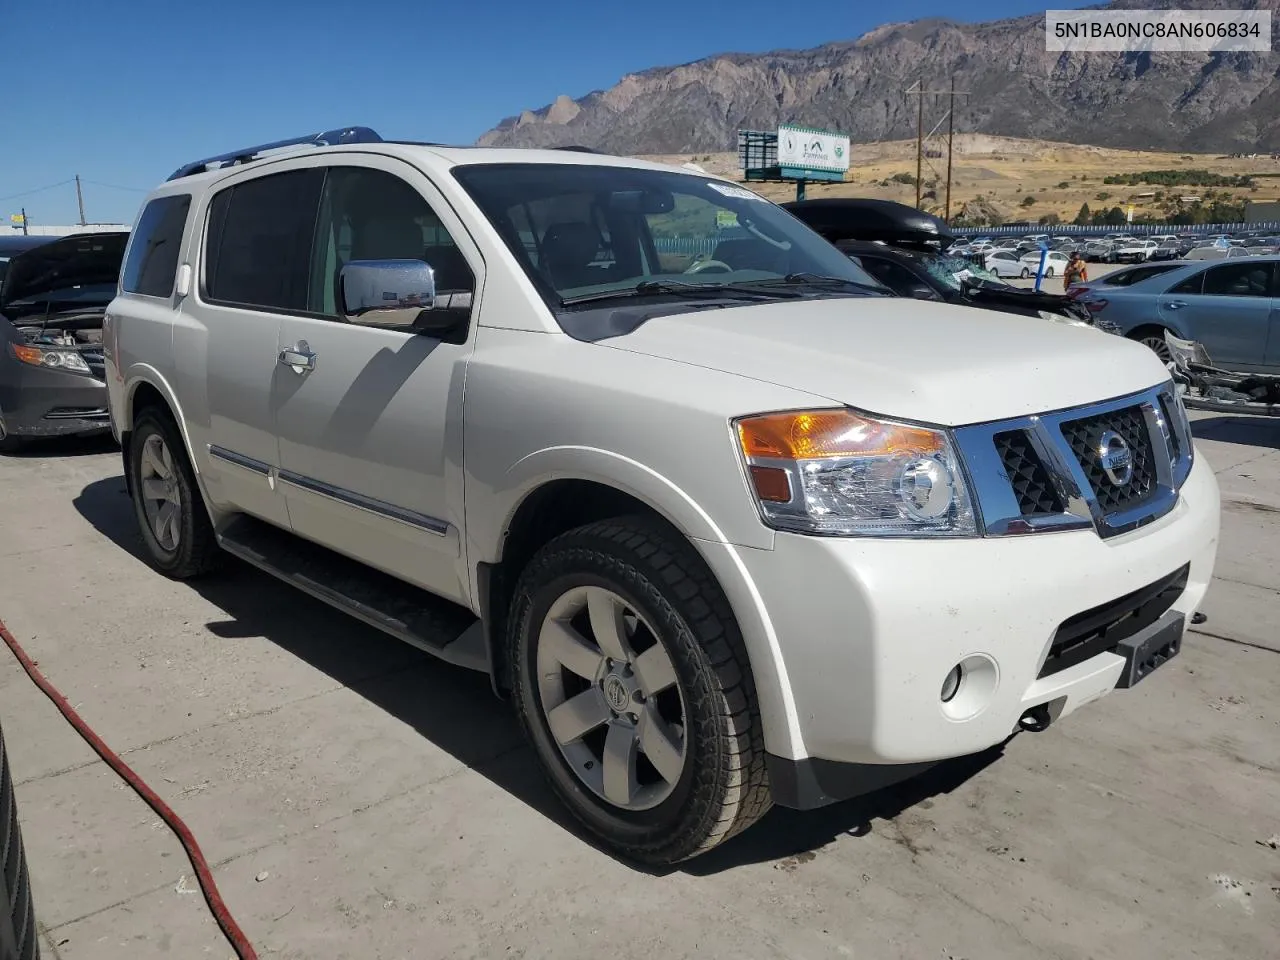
(52, 303)
(908, 251)
(1206, 386)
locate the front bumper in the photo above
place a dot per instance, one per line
(867, 631)
(48, 403)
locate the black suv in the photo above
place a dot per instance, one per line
(904, 248)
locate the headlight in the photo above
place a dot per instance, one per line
(54, 359)
(840, 473)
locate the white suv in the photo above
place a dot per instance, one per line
(727, 523)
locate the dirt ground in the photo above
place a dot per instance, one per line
(361, 800)
(1004, 171)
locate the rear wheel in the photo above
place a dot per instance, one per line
(177, 536)
(1048, 272)
(1154, 339)
(632, 684)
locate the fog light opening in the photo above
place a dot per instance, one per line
(952, 683)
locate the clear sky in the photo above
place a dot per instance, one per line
(122, 92)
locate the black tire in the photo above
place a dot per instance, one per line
(724, 787)
(1048, 272)
(1026, 274)
(197, 551)
(18, 937)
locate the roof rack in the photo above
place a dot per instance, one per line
(323, 139)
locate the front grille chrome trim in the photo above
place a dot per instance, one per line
(999, 506)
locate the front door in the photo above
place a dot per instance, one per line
(1228, 309)
(256, 254)
(369, 420)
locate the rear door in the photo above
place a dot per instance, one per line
(1227, 308)
(1272, 362)
(257, 242)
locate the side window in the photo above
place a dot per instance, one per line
(157, 241)
(1194, 284)
(894, 276)
(373, 215)
(1239, 280)
(258, 244)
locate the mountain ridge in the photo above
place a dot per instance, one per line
(1191, 101)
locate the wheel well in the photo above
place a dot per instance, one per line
(554, 508)
(1146, 330)
(146, 395)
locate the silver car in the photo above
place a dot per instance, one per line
(1232, 308)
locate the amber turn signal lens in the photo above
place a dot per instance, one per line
(771, 484)
(32, 355)
(816, 434)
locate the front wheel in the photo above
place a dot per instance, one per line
(1026, 274)
(632, 683)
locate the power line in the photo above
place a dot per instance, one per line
(116, 186)
(27, 193)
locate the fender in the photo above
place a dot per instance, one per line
(141, 373)
(488, 522)
(489, 517)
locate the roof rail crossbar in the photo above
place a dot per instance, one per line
(323, 139)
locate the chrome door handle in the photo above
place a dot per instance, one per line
(1176, 304)
(299, 357)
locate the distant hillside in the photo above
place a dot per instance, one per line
(1196, 102)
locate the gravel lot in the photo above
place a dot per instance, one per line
(362, 800)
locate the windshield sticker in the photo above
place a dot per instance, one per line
(738, 193)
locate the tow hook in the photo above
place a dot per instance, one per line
(1036, 719)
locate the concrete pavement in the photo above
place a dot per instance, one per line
(362, 800)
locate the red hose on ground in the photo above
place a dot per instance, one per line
(239, 942)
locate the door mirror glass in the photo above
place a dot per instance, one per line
(392, 294)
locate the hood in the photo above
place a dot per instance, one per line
(911, 359)
(80, 270)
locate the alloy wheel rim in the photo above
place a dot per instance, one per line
(611, 700)
(161, 497)
(1159, 347)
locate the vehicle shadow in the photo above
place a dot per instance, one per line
(86, 445)
(455, 708)
(1243, 430)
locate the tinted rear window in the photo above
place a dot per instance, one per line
(157, 241)
(259, 240)
(1130, 277)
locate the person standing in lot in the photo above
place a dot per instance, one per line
(1077, 271)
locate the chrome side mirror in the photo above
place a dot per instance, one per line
(387, 293)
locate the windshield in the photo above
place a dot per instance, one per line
(953, 270)
(580, 230)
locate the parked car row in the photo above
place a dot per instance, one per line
(1119, 247)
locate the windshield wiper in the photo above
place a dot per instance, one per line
(819, 280)
(679, 287)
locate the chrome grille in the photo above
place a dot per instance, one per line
(1031, 482)
(1113, 466)
(1085, 437)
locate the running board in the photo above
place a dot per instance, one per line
(408, 613)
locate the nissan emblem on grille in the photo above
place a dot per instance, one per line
(1115, 458)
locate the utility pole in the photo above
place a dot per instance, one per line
(919, 141)
(24, 221)
(951, 130)
(80, 199)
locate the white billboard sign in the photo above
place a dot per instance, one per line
(812, 149)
